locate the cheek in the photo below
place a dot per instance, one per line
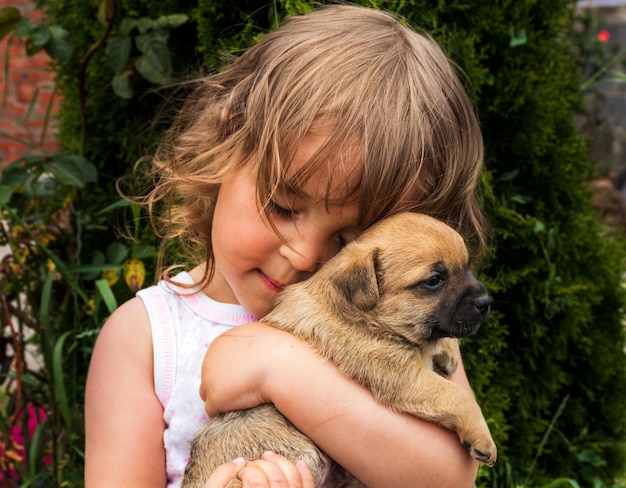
(244, 241)
(236, 219)
(402, 308)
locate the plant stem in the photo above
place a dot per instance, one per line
(82, 71)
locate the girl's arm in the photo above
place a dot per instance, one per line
(123, 417)
(256, 364)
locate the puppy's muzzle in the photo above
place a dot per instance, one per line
(472, 311)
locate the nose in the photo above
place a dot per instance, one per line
(306, 252)
(482, 304)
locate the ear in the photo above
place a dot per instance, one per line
(358, 283)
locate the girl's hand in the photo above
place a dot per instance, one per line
(270, 471)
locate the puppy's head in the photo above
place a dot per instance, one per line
(408, 275)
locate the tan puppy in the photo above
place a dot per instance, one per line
(381, 310)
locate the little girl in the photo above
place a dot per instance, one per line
(331, 122)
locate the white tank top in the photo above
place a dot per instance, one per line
(183, 323)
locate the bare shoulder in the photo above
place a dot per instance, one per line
(130, 318)
(133, 306)
(120, 384)
(124, 345)
(123, 351)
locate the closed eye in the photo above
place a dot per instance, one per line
(279, 211)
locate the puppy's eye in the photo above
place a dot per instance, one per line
(434, 281)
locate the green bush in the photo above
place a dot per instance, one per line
(548, 368)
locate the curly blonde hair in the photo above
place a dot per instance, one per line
(358, 74)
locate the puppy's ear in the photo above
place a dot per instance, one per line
(358, 283)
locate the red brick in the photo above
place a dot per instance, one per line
(29, 89)
(25, 92)
(13, 110)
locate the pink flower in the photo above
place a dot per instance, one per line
(35, 415)
(603, 36)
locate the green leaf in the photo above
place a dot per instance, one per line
(116, 252)
(154, 47)
(88, 269)
(171, 21)
(118, 204)
(509, 175)
(23, 28)
(98, 261)
(39, 35)
(72, 170)
(127, 25)
(59, 385)
(154, 65)
(538, 226)
(36, 446)
(560, 482)
(102, 12)
(122, 85)
(5, 194)
(15, 174)
(144, 24)
(87, 334)
(150, 72)
(143, 251)
(9, 19)
(107, 295)
(59, 46)
(517, 38)
(519, 199)
(117, 52)
(589, 456)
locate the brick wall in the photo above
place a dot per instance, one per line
(29, 90)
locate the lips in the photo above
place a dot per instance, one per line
(270, 283)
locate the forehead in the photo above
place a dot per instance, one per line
(419, 242)
(321, 173)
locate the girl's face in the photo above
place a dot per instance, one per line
(252, 263)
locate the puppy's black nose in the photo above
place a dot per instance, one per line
(482, 304)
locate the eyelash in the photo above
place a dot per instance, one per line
(286, 213)
(281, 212)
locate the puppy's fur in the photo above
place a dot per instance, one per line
(382, 310)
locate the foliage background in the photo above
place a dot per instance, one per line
(549, 367)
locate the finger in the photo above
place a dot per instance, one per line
(224, 473)
(254, 476)
(305, 475)
(275, 471)
(290, 472)
(271, 471)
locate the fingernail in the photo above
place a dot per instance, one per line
(239, 460)
(302, 465)
(269, 454)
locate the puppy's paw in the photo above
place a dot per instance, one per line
(444, 364)
(483, 451)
